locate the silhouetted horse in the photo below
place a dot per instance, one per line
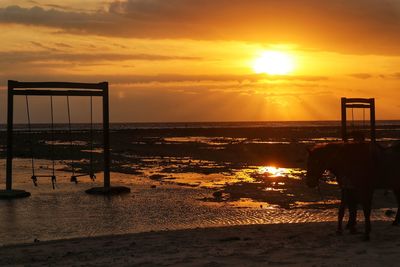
(359, 169)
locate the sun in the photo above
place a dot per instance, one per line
(274, 63)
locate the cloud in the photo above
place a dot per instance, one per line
(351, 26)
(362, 76)
(386, 76)
(45, 47)
(393, 75)
(40, 56)
(66, 20)
(175, 80)
(63, 45)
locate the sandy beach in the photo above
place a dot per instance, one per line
(310, 244)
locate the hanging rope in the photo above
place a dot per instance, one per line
(53, 177)
(364, 118)
(33, 177)
(91, 173)
(352, 118)
(73, 176)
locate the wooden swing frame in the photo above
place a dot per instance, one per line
(16, 88)
(360, 103)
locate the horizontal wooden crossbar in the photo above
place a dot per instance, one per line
(57, 92)
(357, 106)
(358, 100)
(62, 85)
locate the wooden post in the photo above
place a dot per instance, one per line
(9, 192)
(10, 123)
(372, 119)
(106, 136)
(344, 120)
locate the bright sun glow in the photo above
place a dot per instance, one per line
(273, 171)
(274, 63)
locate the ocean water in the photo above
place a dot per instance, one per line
(177, 125)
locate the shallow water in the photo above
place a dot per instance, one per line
(68, 212)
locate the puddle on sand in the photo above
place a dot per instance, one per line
(174, 174)
(65, 143)
(264, 185)
(211, 141)
(250, 203)
(271, 171)
(209, 174)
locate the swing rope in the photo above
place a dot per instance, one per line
(53, 177)
(91, 174)
(73, 177)
(33, 177)
(364, 118)
(352, 118)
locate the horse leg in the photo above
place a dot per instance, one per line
(352, 203)
(342, 209)
(397, 194)
(367, 204)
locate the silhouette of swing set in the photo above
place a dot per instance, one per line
(358, 103)
(67, 89)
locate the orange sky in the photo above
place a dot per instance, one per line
(192, 60)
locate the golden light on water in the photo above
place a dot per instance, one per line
(274, 63)
(272, 171)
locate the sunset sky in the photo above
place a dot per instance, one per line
(194, 60)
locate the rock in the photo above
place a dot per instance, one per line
(217, 194)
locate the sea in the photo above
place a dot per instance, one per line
(226, 124)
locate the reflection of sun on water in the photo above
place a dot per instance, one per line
(273, 171)
(274, 63)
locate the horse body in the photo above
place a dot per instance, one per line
(359, 169)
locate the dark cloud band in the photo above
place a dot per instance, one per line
(351, 26)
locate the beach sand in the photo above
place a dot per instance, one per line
(309, 244)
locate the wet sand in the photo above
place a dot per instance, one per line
(311, 244)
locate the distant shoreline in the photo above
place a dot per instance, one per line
(204, 125)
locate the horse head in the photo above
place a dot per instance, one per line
(317, 164)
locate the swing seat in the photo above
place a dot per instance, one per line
(74, 179)
(53, 179)
(34, 180)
